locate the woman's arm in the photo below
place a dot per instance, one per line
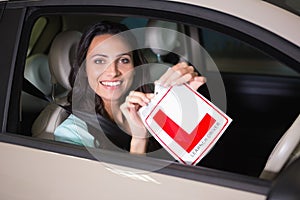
(139, 133)
(176, 75)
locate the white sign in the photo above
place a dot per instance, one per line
(184, 122)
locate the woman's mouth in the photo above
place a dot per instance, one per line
(111, 83)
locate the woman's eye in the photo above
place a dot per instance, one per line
(99, 61)
(125, 60)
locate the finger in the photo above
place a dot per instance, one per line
(169, 72)
(145, 97)
(197, 82)
(180, 65)
(164, 77)
(131, 116)
(124, 108)
(139, 98)
(149, 95)
(180, 76)
(183, 79)
(200, 79)
(133, 100)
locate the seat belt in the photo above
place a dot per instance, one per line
(29, 88)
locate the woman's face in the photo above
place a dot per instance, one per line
(109, 67)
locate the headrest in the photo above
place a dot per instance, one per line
(61, 56)
(284, 148)
(158, 39)
(37, 72)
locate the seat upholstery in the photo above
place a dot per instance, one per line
(61, 56)
(37, 73)
(161, 37)
(286, 151)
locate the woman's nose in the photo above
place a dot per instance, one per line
(113, 69)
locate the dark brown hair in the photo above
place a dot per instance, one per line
(104, 27)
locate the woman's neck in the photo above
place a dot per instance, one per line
(115, 114)
(112, 109)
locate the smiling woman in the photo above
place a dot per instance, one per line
(106, 62)
(107, 59)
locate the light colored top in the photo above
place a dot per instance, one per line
(75, 131)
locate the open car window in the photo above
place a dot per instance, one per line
(256, 81)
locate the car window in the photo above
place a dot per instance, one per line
(36, 33)
(253, 94)
(2, 7)
(236, 56)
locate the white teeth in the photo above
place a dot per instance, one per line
(111, 84)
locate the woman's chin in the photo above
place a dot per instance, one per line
(113, 96)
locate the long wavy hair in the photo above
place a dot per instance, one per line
(101, 28)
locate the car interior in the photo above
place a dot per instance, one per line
(261, 92)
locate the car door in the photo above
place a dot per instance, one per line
(35, 168)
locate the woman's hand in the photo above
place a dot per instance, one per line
(179, 74)
(139, 133)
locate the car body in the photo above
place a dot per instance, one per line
(255, 46)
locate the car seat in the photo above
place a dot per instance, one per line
(61, 56)
(284, 153)
(161, 37)
(38, 74)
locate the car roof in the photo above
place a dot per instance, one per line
(262, 13)
(290, 5)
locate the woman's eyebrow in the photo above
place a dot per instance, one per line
(102, 55)
(107, 56)
(123, 54)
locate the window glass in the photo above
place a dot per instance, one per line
(39, 117)
(232, 55)
(37, 30)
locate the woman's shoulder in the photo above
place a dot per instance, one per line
(73, 124)
(75, 120)
(74, 130)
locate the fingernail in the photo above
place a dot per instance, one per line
(158, 82)
(151, 95)
(146, 100)
(166, 85)
(173, 83)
